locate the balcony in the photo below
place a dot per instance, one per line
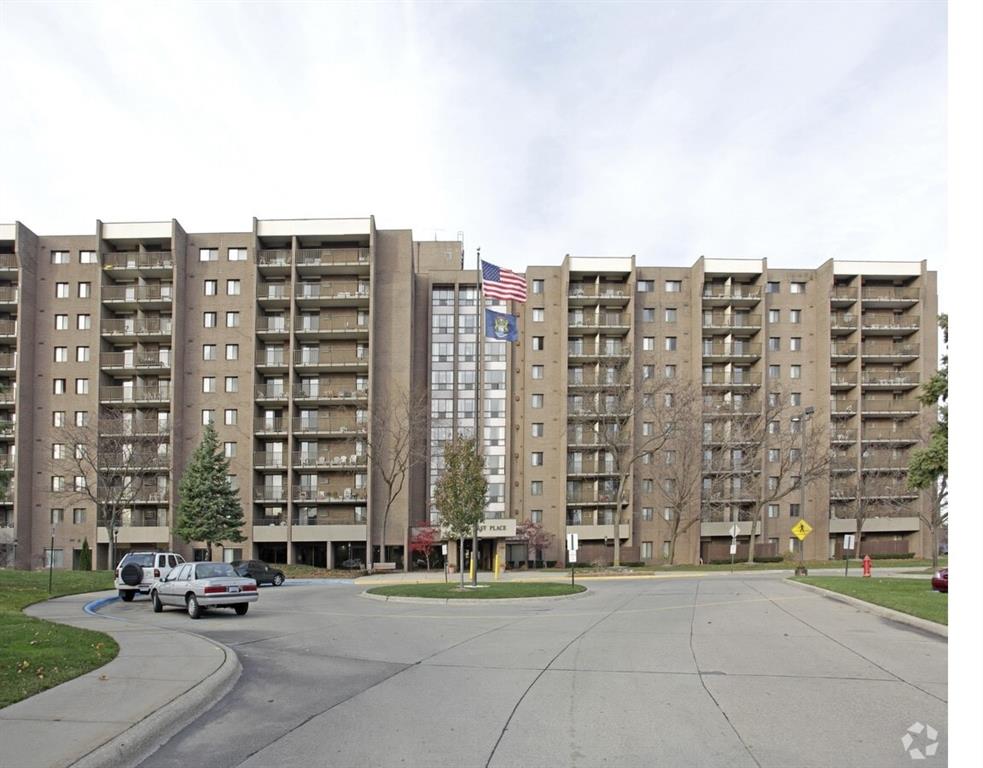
(842, 379)
(889, 324)
(270, 460)
(262, 519)
(8, 396)
(271, 394)
(596, 382)
(886, 352)
(138, 261)
(842, 323)
(729, 437)
(324, 261)
(589, 498)
(589, 531)
(152, 495)
(273, 327)
(840, 435)
(133, 296)
(131, 361)
(272, 361)
(8, 262)
(135, 462)
(324, 494)
(731, 380)
(603, 324)
(325, 516)
(8, 328)
(889, 297)
(276, 261)
(329, 427)
(727, 466)
(136, 395)
(724, 351)
(884, 461)
(594, 413)
(590, 352)
(131, 329)
(887, 406)
(8, 361)
(722, 408)
(891, 379)
(841, 352)
(342, 360)
(270, 425)
(841, 463)
(273, 294)
(842, 407)
(7, 429)
(333, 396)
(588, 440)
(842, 492)
(334, 294)
(274, 494)
(329, 461)
(591, 469)
(8, 294)
(734, 324)
(889, 435)
(332, 327)
(842, 296)
(737, 294)
(591, 294)
(135, 427)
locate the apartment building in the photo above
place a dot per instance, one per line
(292, 337)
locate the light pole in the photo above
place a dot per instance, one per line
(806, 413)
(51, 558)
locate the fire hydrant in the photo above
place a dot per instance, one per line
(866, 565)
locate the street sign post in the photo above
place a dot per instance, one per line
(849, 541)
(801, 529)
(573, 544)
(734, 530)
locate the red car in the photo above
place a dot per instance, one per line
(940, 581)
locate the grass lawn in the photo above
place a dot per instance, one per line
(36, 655)
(912, 596)
(486, 592)
(786, 565)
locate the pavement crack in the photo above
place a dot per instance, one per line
(696, 663)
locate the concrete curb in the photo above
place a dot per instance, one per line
(466, 601)
(925, 625)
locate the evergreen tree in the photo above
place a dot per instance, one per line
(85, 556)
(210, 510)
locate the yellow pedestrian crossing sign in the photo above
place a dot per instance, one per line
(801, 529)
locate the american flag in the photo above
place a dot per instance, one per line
(500, 283)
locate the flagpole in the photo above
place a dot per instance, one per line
(479, 404)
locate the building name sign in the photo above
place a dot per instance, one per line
(489, 529)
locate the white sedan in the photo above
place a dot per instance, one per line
(197, 586)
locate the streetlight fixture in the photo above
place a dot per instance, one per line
(806, 413)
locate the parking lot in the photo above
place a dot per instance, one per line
(723, 670)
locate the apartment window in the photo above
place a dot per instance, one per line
(231, 319)
(774, 316)
(668, 399)
(773, 482)
(674, 286)
(773, 427)
(58, 418)
(797, 288)
(83, 322)
(795, 344)
(538, 315)
(87, 257)
(207, 416)
(82, 354)
(59, 386)
(648, 428)
(538, 343)
(237, 254)
(61, 354)
(670, 343)
(774, 371)
(793, 510)
(645, 286)
(208, 254)
(670, 371)
(795, 316)
(61, 290)
(211, 287)
(648, 372)
(772, 510)
(81, 386)
(78, 516)
(648, 315)
(209, 352)
(794, 456)
(210, 319)
(231, 351)
(795, 372)
(231, 449)
(537, 401)
(773, 287)
(538, 429)
(57, 483)
(536, 458)
(231, 417)
(538, 286)
(536, 515)
(59, 257)
(670, 316)
(57, 516)
(646, 550)
(667, 514)
(233, 287)
(668, 456)
(58, 451)
(795, 398)
(648, 343)
(537, 371)
(208, 384)
(647, 485)
(536, 488)
(231, 384)
(774, 455)
(774, 344)
(61, 322)
(646, 513)
(79, 483)
(795, 425)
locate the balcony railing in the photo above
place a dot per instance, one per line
(889, 321)
(134, 462)
(889, 434)
(327, 494)
(892, 378)
(271, 393)
(875, 405)
(590, 468)
(884, 460)
(843, 462)
(842, 293)
(136, 327)
(8, 396)
(731, 379)
(134, 360)
(327, 424)
(325, 324)
(329, 517)
(270, 460)
(840, 349)
(732, 350)
(889, 294)
(745, 407)
(591, 350)
(8, 360)
(272, 291)
(875, 349)
(329, 460)
(8, 327)
(270, 494)
(842, 405)
(265, 324)
(842, 378)
(7, 427)
(8, 261)
(270, 424)
(302, 392)
(138, 260)
(841, 435)
(136, 427)
(592, 292)
(8, 294)
(331, 256)
(843, 320)
(137, 293)
(274, 258)
(329, 357)
(597, 381)
(332, 291)
(734, 321)
(609, 322)
(134, 394)
(735, 291)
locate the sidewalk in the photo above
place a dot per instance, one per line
(119, 713)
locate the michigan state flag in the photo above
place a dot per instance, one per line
(501, 327)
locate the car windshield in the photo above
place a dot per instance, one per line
(214, 571)
(144, 560)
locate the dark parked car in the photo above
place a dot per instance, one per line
(260, 572)
(940, 581)
(353, 564)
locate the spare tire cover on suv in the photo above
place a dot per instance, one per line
(132, 574)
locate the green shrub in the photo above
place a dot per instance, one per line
(885, 556)
(769, 559)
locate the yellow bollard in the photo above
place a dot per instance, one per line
(471, 569)
(496, 566)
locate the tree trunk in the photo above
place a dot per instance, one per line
(860, 553)
(752, 537)
(460, 564)
(935, 547)
(474, 556)
(617, 521)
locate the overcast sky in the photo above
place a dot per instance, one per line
(794, 131)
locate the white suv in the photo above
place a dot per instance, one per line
(138, 570)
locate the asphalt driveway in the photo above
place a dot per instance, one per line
(714, 671)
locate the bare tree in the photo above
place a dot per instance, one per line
(393, 448)
(878, 494)
(681, 471)
(112, 464)
(623, 421)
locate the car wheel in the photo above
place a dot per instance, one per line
(126, 595)
(241, 609)
(194, 610)
(158, 605)
(278, 580)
